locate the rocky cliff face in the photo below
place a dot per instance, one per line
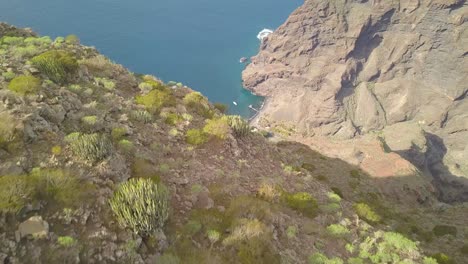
(346, 69)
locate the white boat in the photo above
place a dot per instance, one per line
(234, 103)
(264, 33)
(243, 59)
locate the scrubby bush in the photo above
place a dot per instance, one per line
(141, 205)
(89, 120)
(442, 230)
(389, 247)
(196, 137)
(56, 150)
(319, 258)
(291, 232)
(337, 230)
(118, 133)
(26, 52)
(15, 192)
(7, 128)
(365, 211)
(11, 40)
(269, 192)
(108, 84)
(72, 39)
(221, 107)
(218, 128)
(333, 197)
(172, 119)
(91, 147)
(248, 229)
(142, 116)
(125, 145)
(25, 84)
(57, 65)
(302, 202)
(198, 103)
(239, 125)
(42, 41)
(59, 186)
(9, 75)
(155, 100)
(66, 241)
(442, 258)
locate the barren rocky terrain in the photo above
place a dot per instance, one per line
(360, 73)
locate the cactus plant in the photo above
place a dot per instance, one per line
(239, 125)
(141, 205)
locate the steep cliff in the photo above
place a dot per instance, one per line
(392, 70)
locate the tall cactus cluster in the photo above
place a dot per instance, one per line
(141, 205)
(240, 126)
(91, 147)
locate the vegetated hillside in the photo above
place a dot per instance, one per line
(357, 71)
(101, 165)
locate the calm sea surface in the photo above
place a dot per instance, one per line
(196, 42)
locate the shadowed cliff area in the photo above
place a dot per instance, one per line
(353, 71)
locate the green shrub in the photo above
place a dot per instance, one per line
(441, 258)
(155, 100)
(358, 261)
(333, 197)
(108, 84)
(72, 39)
(25, 84)
(196, 137)
(142, 116)
(57, 65)
(172, 119)
(126, 145)
(26, 52)
(59, 186)
(221, 107)
(15, 192)
(9, 75)
(291, 232)
(218, 128)
(197, 102)
(302, 202)
(141, 205)
(239, 125)
(89, 120)
(7, 128)
(66, 241)
(42, 41)
(337, 191)
(319, 258)
(91, 147)
(11, 40)
(364, 211)
(442, 230)
(118, 133)
(388, 247)
(337, 230)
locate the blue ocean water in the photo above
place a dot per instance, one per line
(198, 43)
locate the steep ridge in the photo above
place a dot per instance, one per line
(373, 72)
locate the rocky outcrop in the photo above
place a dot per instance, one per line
(344, 69)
